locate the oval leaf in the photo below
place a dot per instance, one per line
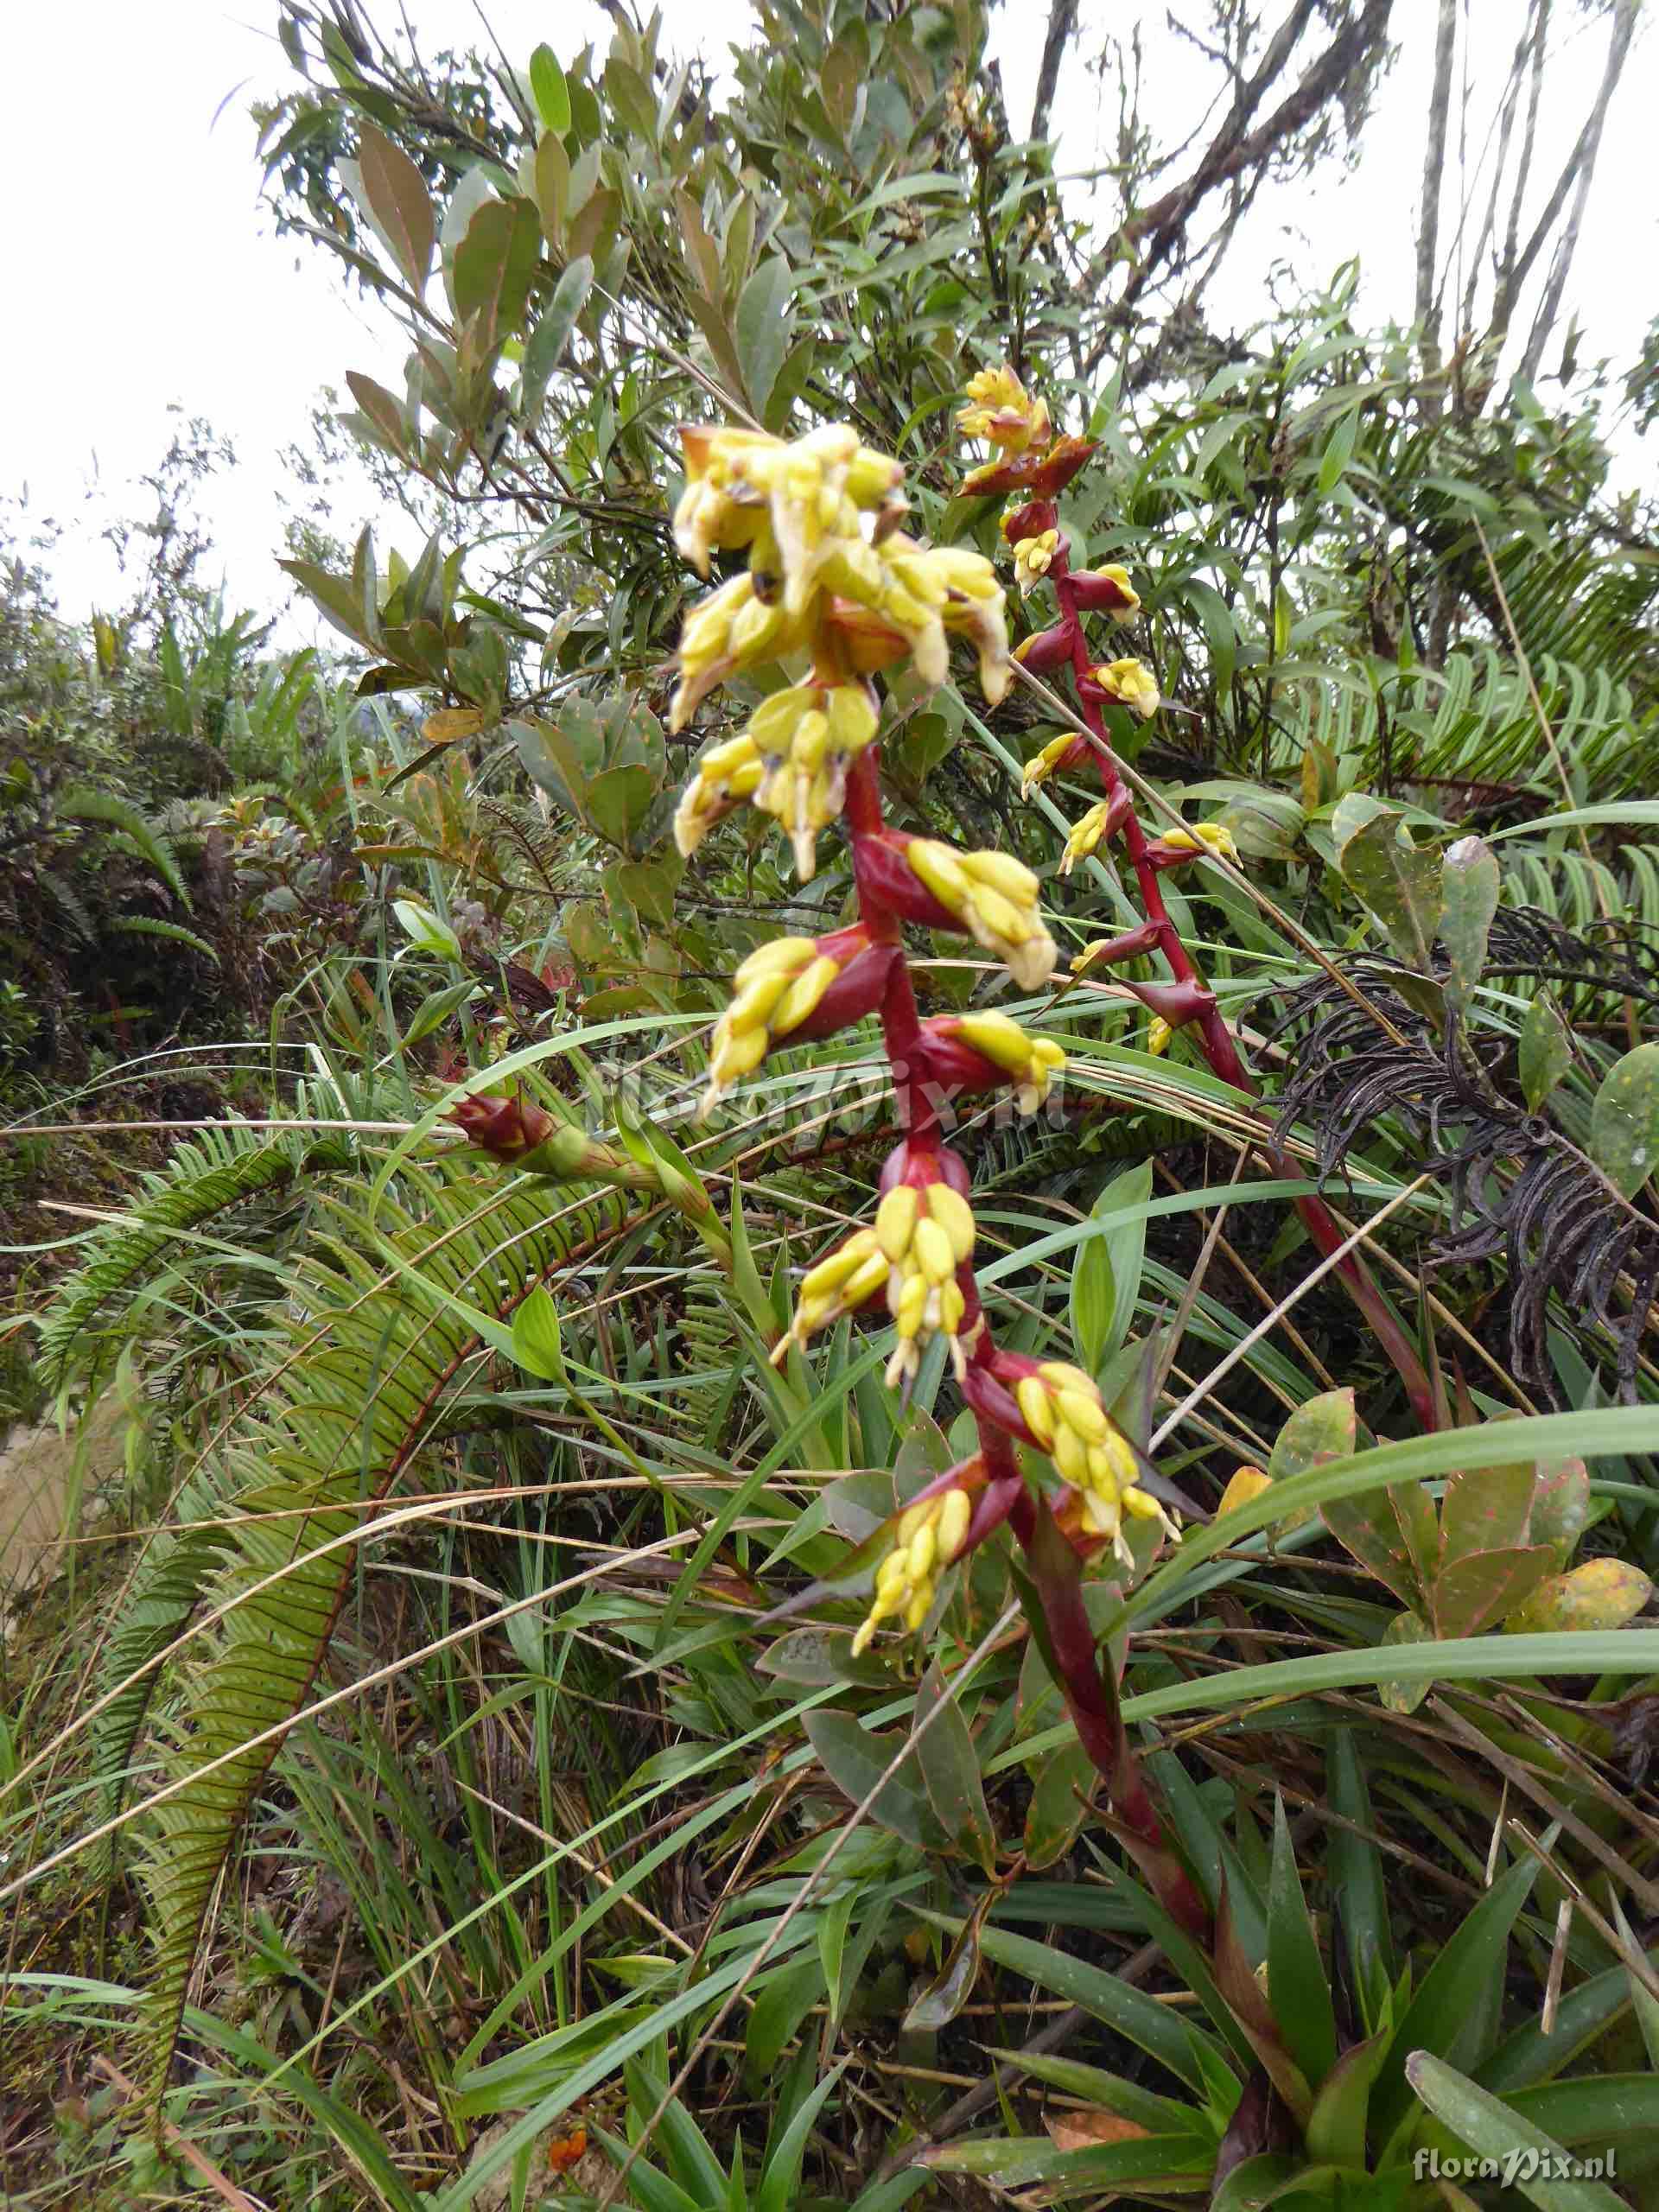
(1624, 1121)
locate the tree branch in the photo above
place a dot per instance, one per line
(1062, 23)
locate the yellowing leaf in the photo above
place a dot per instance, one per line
(1602, 1593)
(1247, 1483)
(1081, 2131)
(450, 724)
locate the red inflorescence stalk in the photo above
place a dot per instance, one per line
(1215, 1038)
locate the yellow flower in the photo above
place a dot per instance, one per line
(926, 1540)
(727, 772)
(805, 736)
(775, 989)
(1158, 1033)
(1131, 684)
(925, 591)
(1064, 1411)
(790, 762)
(1032, 556)
(803, 496)
(1086, 836)
(732, 628)
(1003, 412)
(920, 1240)
(1203, 838)
(1033, 1062)
(993, 896)
(1116, 575)
(1043, 765)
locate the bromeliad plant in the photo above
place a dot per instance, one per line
(832, 576)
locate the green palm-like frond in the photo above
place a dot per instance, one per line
(383, 1319)
(206, 1177)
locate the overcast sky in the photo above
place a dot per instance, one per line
(141, 272)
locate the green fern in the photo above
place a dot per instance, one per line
(380, 1326)
(175, 932)
(214, 1172)
(121, 814)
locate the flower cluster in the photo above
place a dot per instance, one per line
(1063, 1411)
(983, 1052)
(921, 1237)
(790, 762)
(928, 1537)
(995, 897)
(831, 577)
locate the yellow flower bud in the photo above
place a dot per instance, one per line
(1203, 836)
(1063, 1410)
(1032, 558)
(1131, 684)
(774, 992)
(1086, 836)
(995, 899)
(1043, 765)
(926, 1541)
(1158, 1033)
(895, 1220)
(1033, 1062)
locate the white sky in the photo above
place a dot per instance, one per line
(140, 270)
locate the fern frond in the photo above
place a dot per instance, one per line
(219, 1169)
(175, 932)
(121, 814)
(365, 1381)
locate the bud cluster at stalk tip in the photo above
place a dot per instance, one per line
(831, 577)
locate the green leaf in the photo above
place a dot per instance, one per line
(1152, 2026)
(544, 349)
(494, 263)
(950, 1771)
(1486, 1510)
(1560, 1506)
(1299, 1992)
(1337, 450)
(1489, 2127)
(945, 1996)
(1469, 886)
(549, 90)
(1011, 2161)
(1106, 1276)
(616, 803)
(401, 205)
(1061, 1800)
(778, 2011)
(1624, 1121)
(1336, 2126)
(1546, 1052)
(1355, 1864)
(855, 1761)
(1457, 2004)
(1406, 1696)
(536, 1342)
(1477, 1592)
(1399, 882)
(762, 329)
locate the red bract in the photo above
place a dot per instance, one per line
(1038, 475)
(886, 877)
(504, 1127)
(1101, 594)
(1044, 652)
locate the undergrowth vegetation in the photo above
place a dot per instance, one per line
(955, 1507)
